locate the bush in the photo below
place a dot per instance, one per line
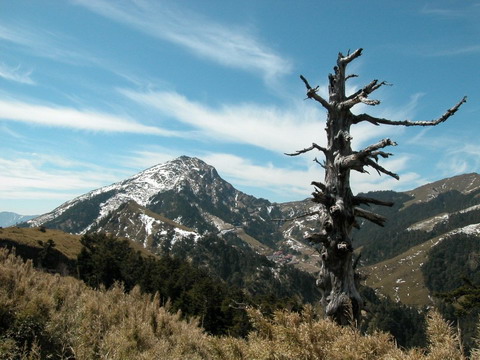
(62, 318)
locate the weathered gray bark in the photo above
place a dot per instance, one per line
(339, 207)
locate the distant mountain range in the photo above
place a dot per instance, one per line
(185, 199)
(11, 218)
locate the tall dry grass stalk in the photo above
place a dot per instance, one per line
(81, 323)
(68, 320)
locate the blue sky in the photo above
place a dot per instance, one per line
(94, 91)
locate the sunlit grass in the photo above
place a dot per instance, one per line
(50, 316)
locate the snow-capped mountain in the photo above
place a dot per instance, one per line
(186, 198)
(185, 195)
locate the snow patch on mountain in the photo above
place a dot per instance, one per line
(429, 224)
(218, 223)
(180, 234)
(141, 188)
(295, 244)
(472, 229)
(148, 223)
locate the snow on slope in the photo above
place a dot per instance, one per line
(401, 278)
(139, 188)
(428, 224)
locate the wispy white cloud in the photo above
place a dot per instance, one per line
(462, 12)
(9, 132)
(16, 74)
(241, 171)
(17, 35)
(277, 128)
(46, 44)
(452, 51)
(459, 159)
(150, 156)
(228, 45)
(50, 177)
(268, 127)
(468, 9)
(65, 117)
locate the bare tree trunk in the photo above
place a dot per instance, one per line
(339, 206)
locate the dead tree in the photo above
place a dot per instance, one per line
(339, 208)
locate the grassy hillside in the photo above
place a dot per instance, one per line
(68, 244)
(401, 277)
(49, 316)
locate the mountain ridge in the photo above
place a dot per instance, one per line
(186, 199)
(9, 218)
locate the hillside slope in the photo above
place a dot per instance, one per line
(181, 201)
(60, 317)
(425, 218)
(401, 277)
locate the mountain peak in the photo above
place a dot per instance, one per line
(187, 161)
(183, 174)
(178, 166)
(172, 175)
(192, 159)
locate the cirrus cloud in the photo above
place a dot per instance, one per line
(75, 119)
(228, 45)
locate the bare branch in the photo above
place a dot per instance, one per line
(303, 151)
(358, 200)
(376, 154)
(358, 92)
(380, 145)
(355, 263)
(312, 94)
(358, 160)
(381, 169)
(361, 96)
(350, 76)
(350, 57)
(371, 216)
(367, 101)
(378, 121)
(322, 164)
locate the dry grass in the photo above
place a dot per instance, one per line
(69, 320)
(401, 277)
(67, 244)
(74, 320)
